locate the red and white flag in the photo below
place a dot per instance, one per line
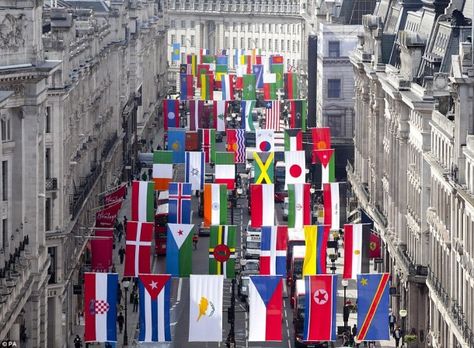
(106, 216)
(117, 194)
(356, 250)
(138, 248)
(333, 199)
(295, 170)
(262, 205)
(272, 117)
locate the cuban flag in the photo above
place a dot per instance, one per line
(100, 307)
(179, 203)
(273, 250)
(265, 308)
(154, 294)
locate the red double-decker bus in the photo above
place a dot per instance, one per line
(161, 219)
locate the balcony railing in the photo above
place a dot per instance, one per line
(51, 184)
(76, 200)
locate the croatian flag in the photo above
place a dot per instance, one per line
(138, 248)
(265, 308)
(179, 203)
(154, 294)
(100, 307)
(273, 250)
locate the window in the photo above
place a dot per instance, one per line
(249, 28)
(47, 121)
(47, 165)
(249, 42)
(5, 180)
(234, 42)
(283, 29)
(4, 234)
(173, 39)
(333, 49)
(334, 88)
(282, 45)
(52, 251)
(235, 26)
(183, 40)
(47, 214)
(242, 43)
(192, 41)
(183, 24)
(270, 44)
(288, 45)
(264, 46)
(297, 46)
(172, 23)
(277, 29)
(6, 129)
(226, 41)
(294, 46)
(183, 57)
(193, 24)
(276, 45)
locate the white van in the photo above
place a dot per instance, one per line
(252, 241)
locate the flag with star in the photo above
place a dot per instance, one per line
(154, 293)
(179, 249)
(248, 92)
(326, 157)
(373, 307)
(272, 115)
(222, 242)
(356, 250)
(194, 169)
(176, 143)
(298, 114)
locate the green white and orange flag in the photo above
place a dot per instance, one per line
(143, 198)
(222, 241)
(162, 169)
(215, 204)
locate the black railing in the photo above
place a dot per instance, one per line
(109, 144)
(51, 184)
(76, 200)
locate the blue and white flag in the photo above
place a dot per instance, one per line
(194, 171)
(258, 72)
(247, 118)
(179, 203)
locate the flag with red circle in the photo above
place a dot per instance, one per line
(295, 167)
(265, 140)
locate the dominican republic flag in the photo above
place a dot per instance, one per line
(295, 170)
(236, 144)
(194, 169)
(298, 113)
(179, 203)
(316, 240)
(187, 88)
(356, 250)
(265, 140)
(143, 199)
(320, 302)
(247, 118)
(272, 115)
(222, 240)
(208, 144)
(299, 205)
(373, 307)
(263, 205)
(273, 250)
(177, 143)
(228, 87)
(179, 249)
(154, 294)
(219, 107)
(263, 167)
(225, 169)
(334, 204)
(100, 307)
(293, 139)
(265, 308)
(138, 248)
(215, 204)
(326, 157)
(196, 108)
(162, 169)
(171, 113)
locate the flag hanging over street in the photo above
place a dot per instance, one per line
(326, 157)
(356, 250)
(291, 86)
(205, 308)
(258, 72)
(208, 144)
(272, 115)
(171, 113)
(138, 248)
(176, 55)
(143, 199)
(162, 169)
(177, 143)
(263, 205)
(192, 61)
(187, 86)
(225, 169)
(269, 86)
(247, 118)
(106, 216)
(116, 195)
(321, 138)
(100, 307)
(265, 140)
(273, 250)
(316, 240)
(194, 169)
(298, 114)
(263, 167)
(248, 92)
(196, 108)
(154, 293)
(179, 203)
(207, 86)
(179, 249)
(222, 241)
(375, 250)
(293, 139)
(373, 307)
(265, 308)
(228, 87)
(202, 69)
(299, 205)
(236, 144)
(277, 69)
(215, 204)
(219, 108)
(334, 204)
(295, 169)
(101, 251)
(320, 302)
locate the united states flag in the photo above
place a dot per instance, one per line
(273, 115)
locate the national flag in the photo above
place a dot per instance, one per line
(299, 205)
(186, 86)
(291, 85)
(138, 248)
(316, 240)
(263, 205)
(179, 249)
(225, 169)
(373, 307)
(106, 216)
(265, 308)
(375, 250)
(295, 170)
(320, 302)
(228, 87)
(205, 308)
(176, 56)
(192, 61)
(321, 138)
(179, 196)
(273, 250)
(247, 117)
(143, 201)
(203, 52)
(221, 70)
(202, 69)
(177, 143)
(236, 144)
(326, 157)
(269, 86)
(276, 59)
(356, 250)
(293, 139)
(222, 59)
(171, 113)
(154, 292)
(265, 140)
(100, 307)
(263, 167)
(240, 72)
(101, 251)
(162, 169)
(248, 92)
(208, 58)
(115, 194)
(277, 69)
(195, 110)
(272, 115)
(207, 86)
(222, 241)
(298, 114)
(258, 72)
(333, 197)
(215, 204)
(194, 169)
(219, 108)
(208, 144)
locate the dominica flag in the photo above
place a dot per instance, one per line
(208, 144)
(373, 307)
(269, 86)
(291, 86)
(293, 139)
(263, 205)
(316, 240)
(333, 197)
(143, 199)
(248, 92)
(356, 250)
(222, 241)
(328, 171)
(162, 169)
(179, 249)
(263, 167)
(295, 170)
(273, 250)
(219, 111)
(247, 118)
(171, 113)
(265, 140)
(298, 114)
(207, 86)
(225, 169)
(215, 204)
(299, 205)
(236, 144)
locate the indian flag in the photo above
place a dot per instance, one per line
(143, 195)
(162, 169)
(215, 204)
(225, 169)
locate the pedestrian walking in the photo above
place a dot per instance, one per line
(135, 303)
(354, 330)
(150, 173)
(120, 320)
(119, 294)
(195, 241)
(397, 334)
(77, 342)
(132, 296)
(121, 254)
(125, 224)
(119, 231)
(144, 176)
(392, 319)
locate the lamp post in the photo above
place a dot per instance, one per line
(230, 342)
(333, 258)
(125, 284)
(345, 308)
(403, 313)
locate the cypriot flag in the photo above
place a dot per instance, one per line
(205, 308)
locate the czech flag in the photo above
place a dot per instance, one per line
(273, 250)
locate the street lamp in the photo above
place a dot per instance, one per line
(125, 284)
(345, 309)
(403, 313)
